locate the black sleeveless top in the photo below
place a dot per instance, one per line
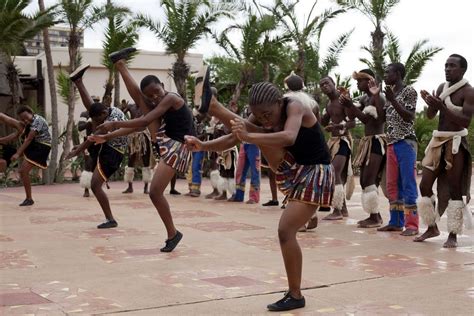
(310, 147)
(179, 123)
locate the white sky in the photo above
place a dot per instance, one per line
(446, 23)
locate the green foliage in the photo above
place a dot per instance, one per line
(63, 84)
(16, 26)
(423, 129)
(376, 10)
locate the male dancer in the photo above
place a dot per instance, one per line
(85, 129)
(372, 147)
(170, 108)
(338, 120)
(447, 156)
(399, 115)
(139, 148)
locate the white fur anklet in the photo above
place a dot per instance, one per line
(427, 210)
(455, 216)
(370, 199)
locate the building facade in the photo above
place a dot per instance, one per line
(58, 36)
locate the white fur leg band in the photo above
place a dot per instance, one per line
(85, 180)
(230, 186)
(146, 174)
(214, 175)
(370, 199)
(129, 174)
(455, 216)
(427, 211)
(338, 198)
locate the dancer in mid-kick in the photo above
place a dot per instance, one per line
(293, 144)
(178, 119)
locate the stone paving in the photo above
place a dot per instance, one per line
(53, 261)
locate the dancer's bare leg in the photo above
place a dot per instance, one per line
(85, 97)
(25, 177)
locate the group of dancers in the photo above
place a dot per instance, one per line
(287, 128)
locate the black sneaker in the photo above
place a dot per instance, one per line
(121, 54)
(271, 203)
(172, 243)
(287, 303)
(108, 224)
(79, 72)
(175, 192)
(27, 202)
(202, 90)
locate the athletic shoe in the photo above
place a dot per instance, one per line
(121, 54)
(79, 72)
(287, 303)
(27, 202)
(202, 90)
(170, 244)
(108, 224)
(271, 203)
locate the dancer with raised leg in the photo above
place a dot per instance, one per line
(293, 144)
(174, 156)
(447, 157)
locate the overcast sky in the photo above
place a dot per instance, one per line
(444, 22)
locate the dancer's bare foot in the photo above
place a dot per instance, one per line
(335, 215)
(431, 232)
(312, 223)
(409, 232)
(212, 195)
(86, 193)
(452, 241)
(222, 197)
(373, 221)
(344, 211)
(390, 228)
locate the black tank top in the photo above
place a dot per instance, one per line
(179, 123)
(310, 147)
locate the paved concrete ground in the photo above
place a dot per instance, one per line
(53, 261)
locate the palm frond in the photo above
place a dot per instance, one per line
(334, 51)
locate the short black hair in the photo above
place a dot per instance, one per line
(332, 80)
(368, 71)
(24, 108)
(148, 80)
(264, 93)
(97, 109)
(294, 83)
(462, 60)
(400, 68)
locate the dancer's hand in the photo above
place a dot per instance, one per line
(345, 100)
(15, 157)
(431, 100)
(374, 88)
(72, 153)
(389, 93)
(106, 126)
(193, 143)
(239, 130)
(98, 139)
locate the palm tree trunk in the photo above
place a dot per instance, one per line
(53, 164)
(73, 51)
(180, 74)
(116, 89)
(266, 72)
(300, 62)
(239, 87)
(109, 86)
(378, 51)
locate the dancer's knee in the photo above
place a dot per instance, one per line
(285, 234)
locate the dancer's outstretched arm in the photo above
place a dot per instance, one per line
(25, 144)
(10, 121)
(219, 144)
(102, 138)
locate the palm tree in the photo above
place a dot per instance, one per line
(16, 27)
(54, 101)
(119, 34)
(285, 12)
(377, 11)
(185, 24)
(256, 47)
(78, 15)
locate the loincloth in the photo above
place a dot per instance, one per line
(362, 158)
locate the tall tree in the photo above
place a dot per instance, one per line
(377, 11)
(119, 33)
(78, 15)
(185, 23)
(256, 48)
(285, 12)
(16, 27)
(53, 164)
